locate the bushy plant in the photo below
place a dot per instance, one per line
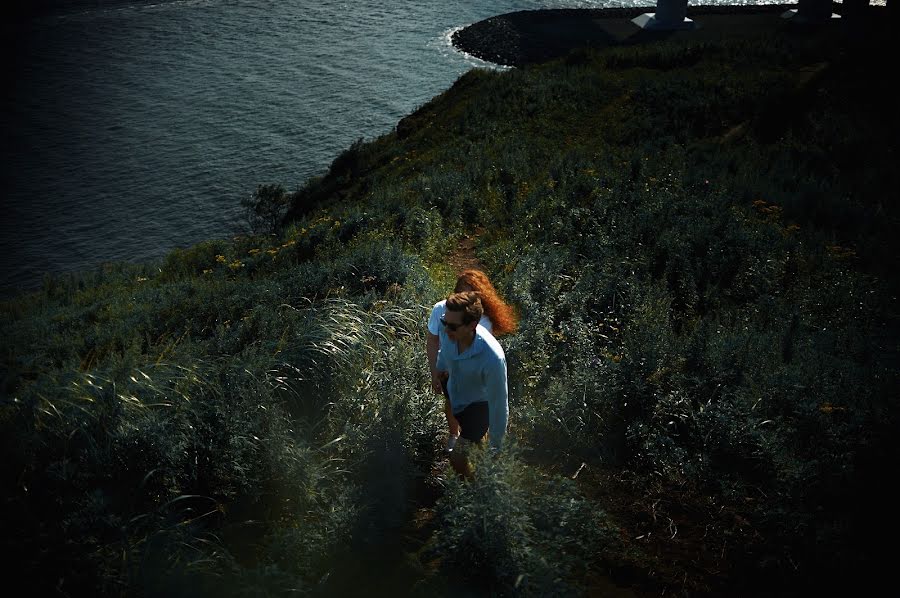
(510, 531)
(706, 308)
(266, 208)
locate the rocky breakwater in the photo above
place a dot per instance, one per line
(532, 36)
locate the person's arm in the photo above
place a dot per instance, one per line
(498, 400)
(432, 347)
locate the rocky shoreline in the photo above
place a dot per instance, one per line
(532, 36)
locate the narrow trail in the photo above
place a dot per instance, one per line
(629, 580)
(464, 257)
(429, 489)
(400, 561)
(598, 482)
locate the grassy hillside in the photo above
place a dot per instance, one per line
(700, 239)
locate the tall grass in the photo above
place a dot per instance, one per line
(707, 315)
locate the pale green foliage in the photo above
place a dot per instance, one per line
(511, 531)
(707, 305)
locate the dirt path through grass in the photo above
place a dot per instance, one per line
(464, 257)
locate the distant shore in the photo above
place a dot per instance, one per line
(531, 36)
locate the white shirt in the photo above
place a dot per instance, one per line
(440, 308)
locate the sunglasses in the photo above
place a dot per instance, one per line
(450, 326)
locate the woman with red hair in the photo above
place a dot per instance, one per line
(499, 319)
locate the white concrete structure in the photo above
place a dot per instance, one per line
(670, 15)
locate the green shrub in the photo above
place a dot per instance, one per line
(511, 531)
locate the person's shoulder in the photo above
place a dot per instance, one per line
(439, 308)
(434, 318)
(490, 342)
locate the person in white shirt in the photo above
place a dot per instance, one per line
(477, 385)
(498, 319)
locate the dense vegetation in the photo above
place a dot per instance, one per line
(700, 239)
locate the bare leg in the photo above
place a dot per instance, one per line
(452, 421)
(459, 459)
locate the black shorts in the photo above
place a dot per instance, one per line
(473, 420)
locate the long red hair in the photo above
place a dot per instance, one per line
(503, 317)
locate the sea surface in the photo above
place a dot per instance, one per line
(132, 128)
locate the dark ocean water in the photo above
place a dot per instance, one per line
(133, 128)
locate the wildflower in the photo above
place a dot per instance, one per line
(220, 259)
(615, 358)
(207, 271)
(254, 251)
(236, 264)
(522, 191)
(840, 252)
